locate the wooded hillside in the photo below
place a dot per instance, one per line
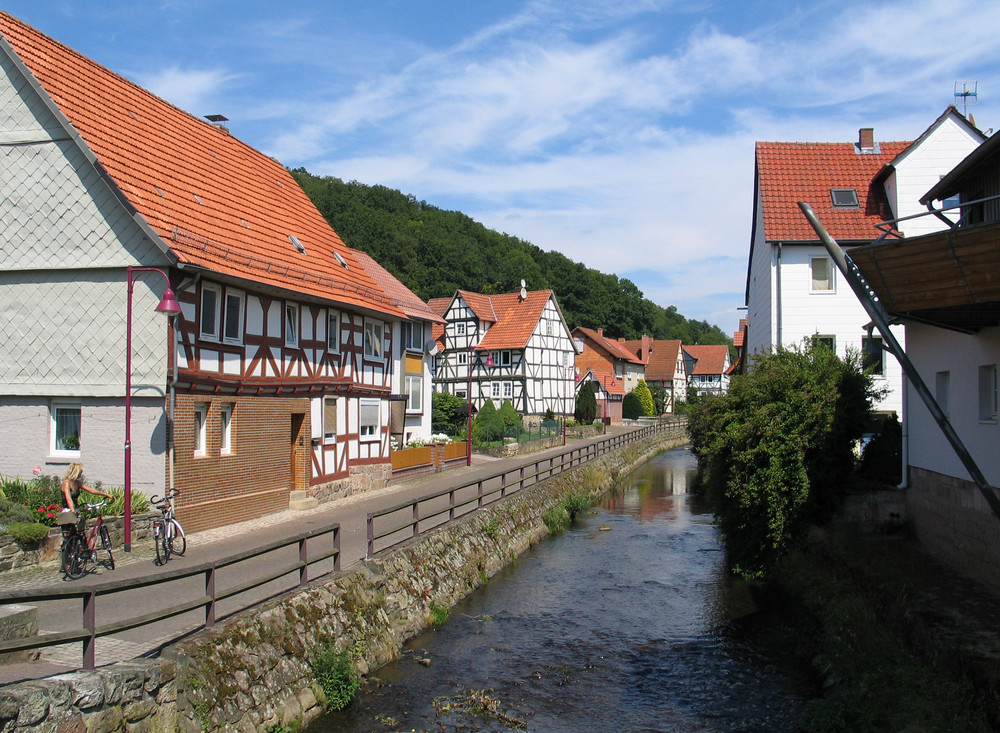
(436, 252)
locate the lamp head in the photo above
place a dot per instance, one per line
(168, 303)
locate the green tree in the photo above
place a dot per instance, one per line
(632, 406)
(509, 416)
(645, 397)
(778, 450)
(661, 397)
(448, 413)
(487, 425)
(586, 404)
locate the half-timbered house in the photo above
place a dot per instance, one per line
(607, 356)
(514, 346)
(275, 377)
(665, 366)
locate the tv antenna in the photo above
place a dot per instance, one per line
(968, 92)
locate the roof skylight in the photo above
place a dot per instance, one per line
(298, 245)
(341, 260)
(844, 198)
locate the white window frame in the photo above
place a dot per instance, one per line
(372, 339)
(988, 393)
(463, 358)
(239, 297)
(413, 335)
(460, 328)
(367, 430)
(201, 429)
(413, 387)
(333, 331)
(54, 449)
(495, 388)
(330, 431)
(548, 328)
(291, 324)
(226, 428)
(508, 390)
(832, 278)
(211, 334)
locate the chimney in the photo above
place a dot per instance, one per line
(647, 346)
(600, 332)
(866, 138)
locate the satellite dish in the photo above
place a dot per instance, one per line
(431, 347)
(523, 283)
(524, 293)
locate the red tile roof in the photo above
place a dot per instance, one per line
(709, 359)
(661, 365)
(405, 298)
(608, 381)
(515, 319)
(613, 347)
(791, 172)
(213, 200)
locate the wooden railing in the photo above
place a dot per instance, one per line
(395, 525)
(89, 594)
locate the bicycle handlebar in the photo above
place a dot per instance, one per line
(98, 505)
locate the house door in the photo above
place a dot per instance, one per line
(299, 455)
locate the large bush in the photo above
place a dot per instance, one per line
(778, 451)
(645, 397)
(487, 425)
(632, 406)
(511, 420)
(586, 404)
(448, 413)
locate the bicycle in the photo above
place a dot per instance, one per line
(168, 534)
(80, 548)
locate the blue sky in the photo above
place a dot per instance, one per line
(618, 133)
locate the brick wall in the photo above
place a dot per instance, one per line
(256, 477)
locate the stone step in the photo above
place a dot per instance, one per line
(301, 501)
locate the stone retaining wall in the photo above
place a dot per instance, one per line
(252, 672)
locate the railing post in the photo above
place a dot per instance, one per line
(479, 504)
(303, 558)
(451, 505)
(210, 592)
(416, 518)
(90, 624)
(336, 547)
(503, 485)
(520, 483)
(371, 536)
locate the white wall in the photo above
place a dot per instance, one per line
(933, 350)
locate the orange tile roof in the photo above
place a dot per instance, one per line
(662, 362)
(405, 298)
(614, 347)
(440, 305)
(709, 359)
(213, 200)
(515, 319)
(608, 381)
(791, 172)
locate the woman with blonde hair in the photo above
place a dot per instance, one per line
(72, 485)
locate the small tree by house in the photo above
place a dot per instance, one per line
(487, 426)
(511, 420)
(586, 404)
(448, 413)
(661, 397)
(632, 406)
(645, 397)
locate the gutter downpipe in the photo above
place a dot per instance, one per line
(777, 305)
(905, 445)
(881, 321)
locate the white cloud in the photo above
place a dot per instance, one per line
(193, 90)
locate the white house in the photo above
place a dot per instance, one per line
(514, 346)
(945, 288)
(274, 380)
(793, 291)
(708, 368)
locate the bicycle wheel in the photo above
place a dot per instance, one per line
(175, 538)
(73, 563)
(106, 544)
(160, 543)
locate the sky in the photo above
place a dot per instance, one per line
(620, 133)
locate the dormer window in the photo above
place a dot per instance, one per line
(844, 198)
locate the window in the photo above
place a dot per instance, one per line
(369, 419)
(232, 329)
(942, 391)
(495, 390)
(209, 316)
(413, 385)
(463, 358)
(332, 331)
(460, 328)
(65, 428)
(373, 338)
(291, 324)
(618, 369)
(329, 419)
(873, 355)
(822, 274)
(829, 342)
(548, 328)
(988, 392)
(844, 198)
(413, 336)
(226, 428)
(200, 429)
(505, 358)
(508, 390)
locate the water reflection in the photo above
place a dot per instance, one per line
(622, 623)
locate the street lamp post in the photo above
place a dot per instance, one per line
(169, 307)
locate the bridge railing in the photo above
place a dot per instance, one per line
(89, 630)
(390, 527)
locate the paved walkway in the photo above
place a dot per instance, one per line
(221, 542)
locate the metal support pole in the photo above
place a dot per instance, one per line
(881, 320)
